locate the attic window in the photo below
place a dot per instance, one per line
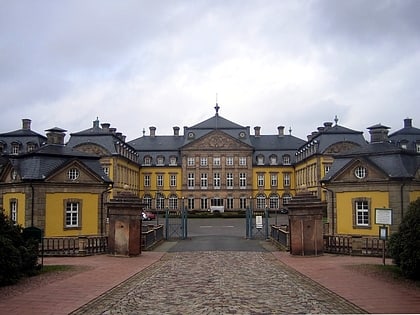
(191, 135)
(73, 174)
(360, 172)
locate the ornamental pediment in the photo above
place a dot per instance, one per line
(217, 140)
(360, 171)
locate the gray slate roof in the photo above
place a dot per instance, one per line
(41, 163)
(393, 161)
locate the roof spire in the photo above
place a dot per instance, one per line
(217, 107)
(336, 120)
(290, 130)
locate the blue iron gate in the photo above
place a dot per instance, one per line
(256, 224)
(176, 224)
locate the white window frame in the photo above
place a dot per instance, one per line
(229, 161)
(216, 161)
(146, 180)
(362, 213)
(216, 181)
(260, 180)
(242, 180)
(191, 180)
(242, 161)
(274, 180)
(72, 214)
(286, 179)
(204, 180)
(159, 180)
(204, 161)
(14, 210)
(190, 161)
(73, 173)
(172, 180)
(229, 180)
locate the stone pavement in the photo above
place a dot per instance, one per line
(220, 282)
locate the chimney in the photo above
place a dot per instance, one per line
(176, 131)
(119, 135)
(328, 124)
(152, 131)
(55, 136)
(26, 124)
(105, 126)
(321, 129)
(96, 124)
(407, 123)
(257, 131)
(281, 131)
(378, 133)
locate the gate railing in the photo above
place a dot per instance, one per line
(176, 224)
(281, 236)
(74, 246)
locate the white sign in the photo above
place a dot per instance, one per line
(383, 216)
(259, 223)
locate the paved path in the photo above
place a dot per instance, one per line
(221, 282)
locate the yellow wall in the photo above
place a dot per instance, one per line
(414, 195)
(54, 217)
(166, 172)
(20, 197)
(345, 211)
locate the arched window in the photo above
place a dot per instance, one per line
(273, 159)
(261, 201)
(147, 160)
(260, 159)
(274, 201)
(147, 200)
(286, 159)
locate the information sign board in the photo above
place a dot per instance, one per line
(383, 216)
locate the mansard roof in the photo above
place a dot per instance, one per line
(391, 160)
(104, 136)
(41, 163)
(408, 135)
(329, 135)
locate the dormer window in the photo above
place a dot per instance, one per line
(160, 160)
(286, 159)
(273, 160)
(30, 147)
(418, 147)
(260, 160)
(172, 160)
(147, 160)
(15, 148)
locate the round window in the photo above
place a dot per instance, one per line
(360, 172)
(73, 173)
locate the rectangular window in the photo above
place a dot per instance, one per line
(242, 180)
(242, 203)
(242, 161)
(274, 202)
(15, 149)
(203, 161)
(229, 161)
(204, 205)
(172, 180)
(362, 212)
(191, 161)
(418, 147)
(260, 180)
(273, 180)
(327, 168)
(191, 180)
(286, 179)
(72, 214)
(190, 202)
(106, 170)
(229, 202)
(216, 161)
(204, 180)
(146, 180)
(216, 180)
(229, 180)
(13, 210)
(159, 180)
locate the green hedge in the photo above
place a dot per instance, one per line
(18, 257)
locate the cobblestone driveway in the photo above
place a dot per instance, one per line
(218, 282)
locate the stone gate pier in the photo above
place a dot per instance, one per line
(124, 212)
(305, 223)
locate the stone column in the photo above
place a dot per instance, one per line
(305, 223)
(124, 238)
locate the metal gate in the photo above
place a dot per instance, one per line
(176, 224)
(256, 224)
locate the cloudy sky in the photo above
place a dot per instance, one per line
(137, 64)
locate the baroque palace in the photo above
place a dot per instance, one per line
(62, 187)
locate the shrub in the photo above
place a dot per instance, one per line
(18, 257)
(404, 246)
